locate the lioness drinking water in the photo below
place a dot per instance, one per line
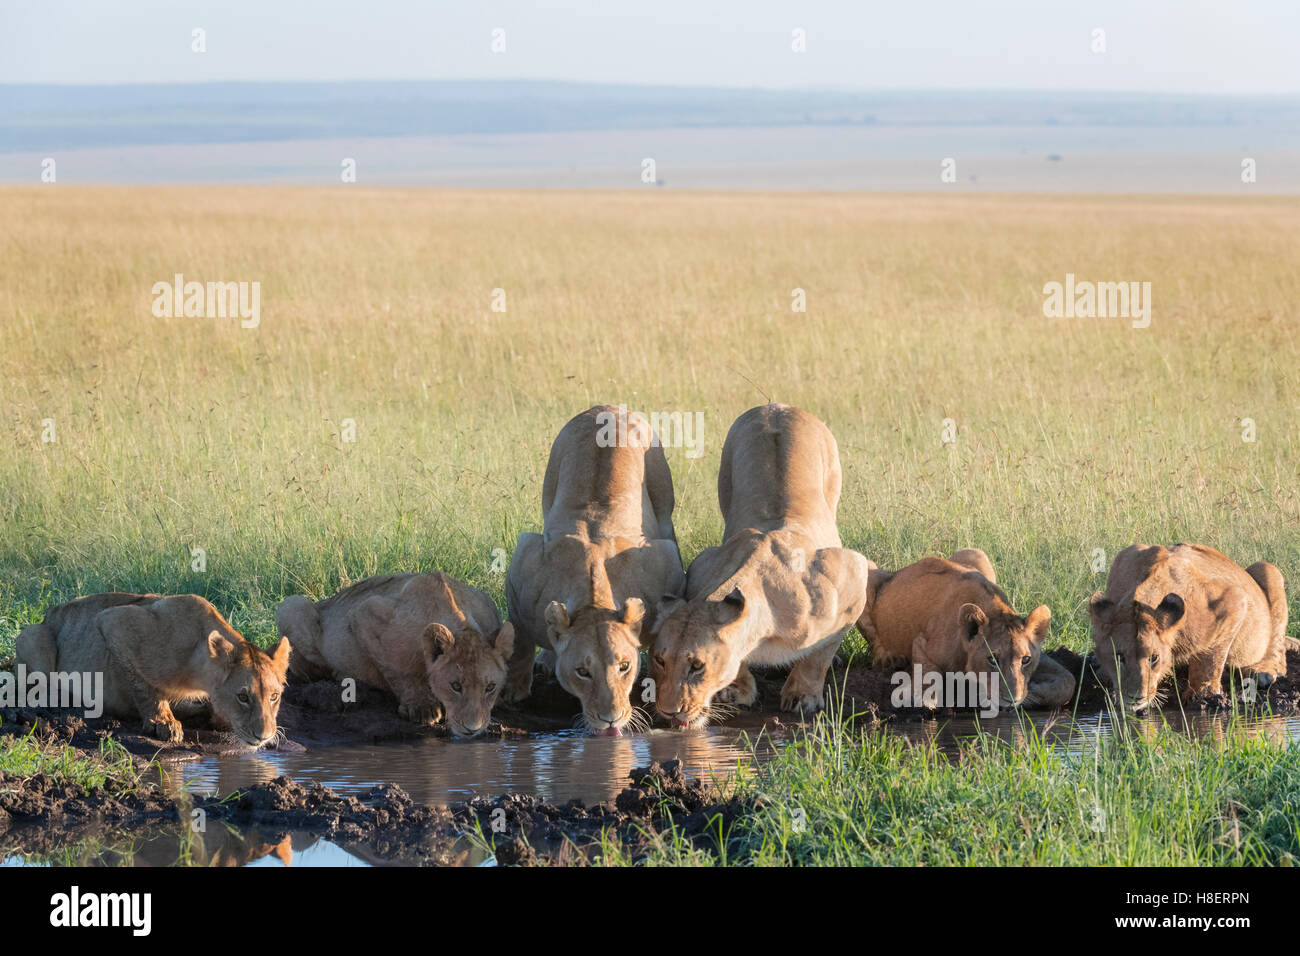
(949, 616)
(1192, 605)
(584, 588)
(156, 652)
(430, 640)
(780, 589)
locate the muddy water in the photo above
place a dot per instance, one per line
(557, 768)
(562, 767)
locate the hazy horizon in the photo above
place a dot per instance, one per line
(1166, 95)
(1206, 47)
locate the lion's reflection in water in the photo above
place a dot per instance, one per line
(557, 768)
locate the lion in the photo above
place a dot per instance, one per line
(586, 589)
(949, 617)
(780, 589)
(1189, 604)
(157, 653)
(434, 642)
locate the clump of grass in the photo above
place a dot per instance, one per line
(110, 763)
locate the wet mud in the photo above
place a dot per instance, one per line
(39, 815)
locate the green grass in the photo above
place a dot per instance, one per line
(836, 797)
(26, 756)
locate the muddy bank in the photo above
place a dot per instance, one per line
(38, 814)
(84, 733)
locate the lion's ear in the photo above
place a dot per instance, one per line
(1100, 608)
(435, 640)
(633, 611)
(280, 657)
(971, 619)
(1170, 611)
(219, 647)
(1037, 622)
(557, 615)
(504, 641)
(730, 608)
(666, 605)
(557, 625)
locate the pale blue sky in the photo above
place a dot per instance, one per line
(1215, 46)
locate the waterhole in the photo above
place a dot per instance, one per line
(555, 767)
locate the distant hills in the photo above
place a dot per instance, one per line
(41, 118)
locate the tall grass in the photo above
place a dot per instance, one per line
(839, 798)
(1072, 435)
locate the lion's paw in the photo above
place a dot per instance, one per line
(1264, 679)
(801, 702)
(732, 695)
(420, 713)
(516, 690)
(742, 692)
(1207, 700)
(164, 728)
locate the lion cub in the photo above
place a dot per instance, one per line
(432, 641)
(1191, 605)
(949, 616)
(157, 651)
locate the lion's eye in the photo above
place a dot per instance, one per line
(274, 698)
(455, 685)
(584, 673)
(660, 662)
(1026, 661)
(697, 666)
(993, 661)
(489, 688)
(624, 666)
(1153, 659)
(243, 697)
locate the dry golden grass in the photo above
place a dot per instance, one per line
(1073, 434)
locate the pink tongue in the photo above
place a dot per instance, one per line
(609, 732)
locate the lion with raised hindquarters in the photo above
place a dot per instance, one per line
(157, 653)
(780, 589)
(1189, 604)
(949, 617)
(586, 588)
(433, 642)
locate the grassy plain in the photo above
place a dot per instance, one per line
(1071, 434)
